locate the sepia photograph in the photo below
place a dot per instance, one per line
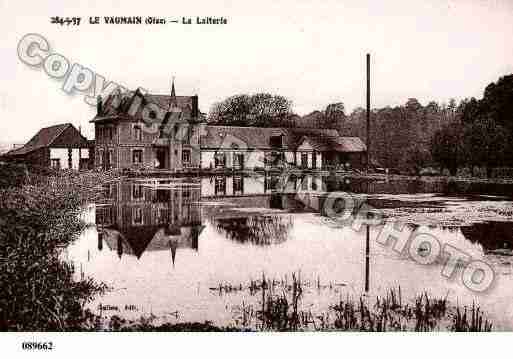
(271, 166)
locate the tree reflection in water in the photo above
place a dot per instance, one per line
(259, 230)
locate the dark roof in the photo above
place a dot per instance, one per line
(157, 237)
(117, 105)
(339, 144)
(44, 138)
(183, 102)
(216, 137)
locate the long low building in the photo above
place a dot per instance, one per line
(60, 146)
(168, 132)
(257, 147)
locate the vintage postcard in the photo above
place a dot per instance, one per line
(267, 166)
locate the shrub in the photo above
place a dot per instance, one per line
(36, 223)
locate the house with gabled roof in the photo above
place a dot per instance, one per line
(61, 146)
(306, 148)
(134, 130)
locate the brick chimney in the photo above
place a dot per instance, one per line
(195, 110)
(99, 106)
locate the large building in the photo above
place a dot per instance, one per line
(256, 147)
(168, 132)
(60, 146)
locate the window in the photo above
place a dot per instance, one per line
(137, 156)
(162, 215)
(304, 183)
(220, 186)
(238, 185)
(105, 133)
(55, 163)
(271, 183)
(238, 160)
(186, 156)
(220, 160)
(137, 191)
(137, 217)
(304, 160)
(137, 133)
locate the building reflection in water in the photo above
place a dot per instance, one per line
(153, 215)
(166, 214)
(138, 217)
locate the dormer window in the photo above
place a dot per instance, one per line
(137, 133)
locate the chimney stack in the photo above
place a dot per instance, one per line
(99, 105)
(195, 110)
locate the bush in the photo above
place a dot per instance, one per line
(36, 222)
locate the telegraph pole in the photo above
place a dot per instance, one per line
(367, 239)
(368, 112)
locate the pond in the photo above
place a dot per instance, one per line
(191, 249)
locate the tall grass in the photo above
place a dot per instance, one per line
(37, 220)
(280, 308)
(473, 322)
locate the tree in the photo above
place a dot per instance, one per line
(497, 104)
(335, 115)
(261, 109)
(485, 143)
(416, 159)
(447, 147)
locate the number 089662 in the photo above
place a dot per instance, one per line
(37, 346)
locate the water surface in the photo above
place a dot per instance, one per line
(165, 246)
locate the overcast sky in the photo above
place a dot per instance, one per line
(310, 51)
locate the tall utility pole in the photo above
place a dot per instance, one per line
(368, 112)
(367, 239)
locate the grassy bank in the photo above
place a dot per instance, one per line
(280, 308)
(39, 217)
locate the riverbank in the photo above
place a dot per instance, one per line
(39, 217)
(282, 312)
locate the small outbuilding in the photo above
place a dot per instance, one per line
(60, 146)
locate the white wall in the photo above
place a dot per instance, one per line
(252, 159)
(207, 159)
(84, 153)
(62, 155)
(289, 157)
(252, 186)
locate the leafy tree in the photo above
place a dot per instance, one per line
(447, 147)
(261, 109)
(485, 143)
(335, 115)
